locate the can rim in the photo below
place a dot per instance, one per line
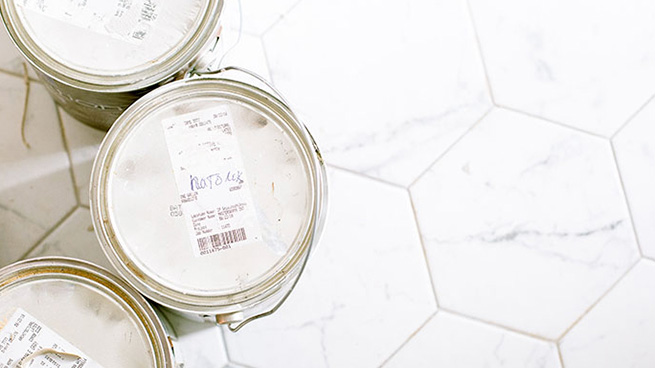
(98, 278)
(237, 300)
(172, 62)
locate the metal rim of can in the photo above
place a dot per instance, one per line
(172, 64)
(69, 269)
(241, 300)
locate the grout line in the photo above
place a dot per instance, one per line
(633, 116)
(460, 138)
(68, 154)
(82, 205)
(26, 103)
(50, 231)
(559, 354)
(476, 34)
(280, 18)
(575, 323)
(579, 130)
(423, 248)
(18, 75)
(627, 200)
(648, 258)
(224, 341)
(266, 61)
(497, 325)
(411, 336)
(354, 172)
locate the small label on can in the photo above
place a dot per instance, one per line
(26, 342)
(127, 20)
(214, 190)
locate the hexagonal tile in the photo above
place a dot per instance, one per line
(83, 142)
(35, 183)
(365, 289)
(586, 66)
(620, 330)
(74, 238)
(635, 153)
(524, 223)
(256, 15)
(450, 341)
(384, 98)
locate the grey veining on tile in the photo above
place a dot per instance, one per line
(365, 290)
(370, 97)
(524, 224)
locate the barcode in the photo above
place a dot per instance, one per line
(219, 241)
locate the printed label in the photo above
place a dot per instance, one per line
(210, 177)
(127, 20)
(26, 342)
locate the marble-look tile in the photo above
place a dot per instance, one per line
(384, 98)
(590, 67)
(524, 223)
(197, 345)
(35, 184)
(454, 342)
(74, 238)
(256, 16)
(635, 154)
(620, 330)
(83, 142)
(365, 290)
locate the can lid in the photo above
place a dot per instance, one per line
(204, 194)
(75, 310)
(111, 45)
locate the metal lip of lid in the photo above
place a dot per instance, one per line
(176, 60)
(74, 270)
(241, 299)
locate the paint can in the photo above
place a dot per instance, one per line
(98, 57)
(208, 195)
(61, 312)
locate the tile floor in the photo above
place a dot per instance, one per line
(492, 183)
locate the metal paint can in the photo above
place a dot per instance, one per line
(98, 57)
(208, 194)
(68, 313)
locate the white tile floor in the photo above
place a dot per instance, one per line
(492, 171)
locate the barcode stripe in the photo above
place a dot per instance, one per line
(218, 240)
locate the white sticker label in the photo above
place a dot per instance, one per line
(26, 342)
(127, 20)
(211, 180)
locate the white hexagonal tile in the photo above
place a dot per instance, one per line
(586, 66)
(256, 15)
(74, 238)
(365, 289)
(35, 183)
(454, 342)
(635, 153)
(524, 223)
(387, 96)
(83, 142)
(620, 330)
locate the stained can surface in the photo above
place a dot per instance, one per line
(98, 57)
(58, 312)
(208, 195)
